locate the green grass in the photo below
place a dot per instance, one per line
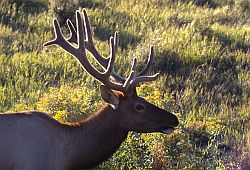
(201, 51)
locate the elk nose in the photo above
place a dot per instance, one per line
(175, 121)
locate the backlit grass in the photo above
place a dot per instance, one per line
(201, 51)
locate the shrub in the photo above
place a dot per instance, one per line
(69, 104)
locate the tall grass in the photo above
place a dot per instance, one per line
(202, 53)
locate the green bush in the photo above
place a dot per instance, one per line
(69, 104)
(201, 51)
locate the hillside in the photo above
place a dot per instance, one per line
(202, 51)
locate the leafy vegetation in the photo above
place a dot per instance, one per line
(202, 51)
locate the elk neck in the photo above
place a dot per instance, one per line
(95, 139)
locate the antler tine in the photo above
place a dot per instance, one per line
(80, 33)
(132, 82)
(87, 28)
(112, 58)
(116, 41)
(73, 35)
(131, 75)
(139, 79)
(149, 63)
(59, 39)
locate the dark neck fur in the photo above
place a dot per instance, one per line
(95, 139)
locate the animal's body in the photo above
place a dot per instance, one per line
(24, 145)
(34, 141)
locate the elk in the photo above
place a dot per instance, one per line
(33, 140)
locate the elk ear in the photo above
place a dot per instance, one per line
(109, 96)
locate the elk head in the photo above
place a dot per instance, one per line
(136, 114)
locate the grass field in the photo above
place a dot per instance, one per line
(202, 50)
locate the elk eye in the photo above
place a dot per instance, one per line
(140, 107)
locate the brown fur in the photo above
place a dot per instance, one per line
(31, 113)
(80, 145)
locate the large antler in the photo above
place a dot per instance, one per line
(83, 38)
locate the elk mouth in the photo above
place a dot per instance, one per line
(167, 130)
